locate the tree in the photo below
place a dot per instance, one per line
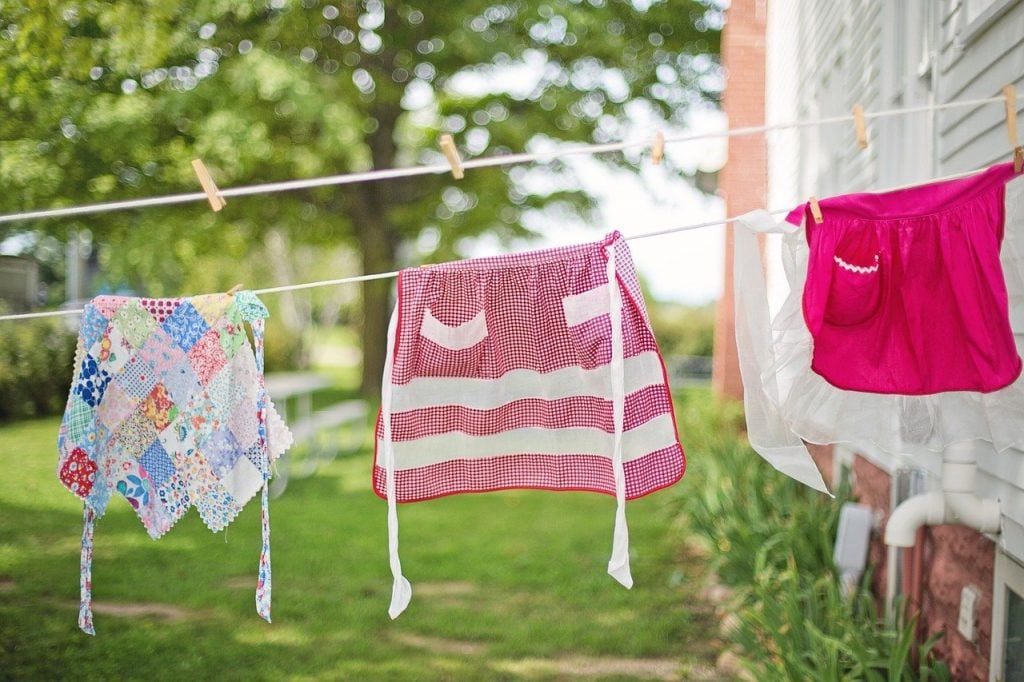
(107, 100)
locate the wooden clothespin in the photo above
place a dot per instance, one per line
(1010, 93)
(861, 126)
(235, 289)
(209, 186)
(816, 210)
(448, 147)
(658, 148)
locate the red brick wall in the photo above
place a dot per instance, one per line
(956, 556)
(743, 182)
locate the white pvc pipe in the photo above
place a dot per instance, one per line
(955, 503)
(921, 510)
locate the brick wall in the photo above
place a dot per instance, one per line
(744, 179)
(955, 556)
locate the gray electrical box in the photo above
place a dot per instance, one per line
(852, 540)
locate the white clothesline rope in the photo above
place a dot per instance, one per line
(391, 275)
(484, 162)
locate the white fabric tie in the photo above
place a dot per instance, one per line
(618, 565)
(401, 590)
(767, 431)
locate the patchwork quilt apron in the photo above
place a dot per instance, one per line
(168, 409)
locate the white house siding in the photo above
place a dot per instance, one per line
(974, 64)
(824, 57)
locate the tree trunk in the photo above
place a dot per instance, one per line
(377, 247)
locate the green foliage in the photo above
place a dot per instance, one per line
(284, 350)
(799, 626)
(771, 539)
(109, 100)
(36, 364)
(684, 330)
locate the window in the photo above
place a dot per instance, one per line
(1013, 647)
(1007, 660)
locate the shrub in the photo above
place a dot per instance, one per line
(771, 539)
(284, 350)
(36, 365)
(683, 330)
(797, 625)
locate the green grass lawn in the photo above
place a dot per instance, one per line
(507, 585)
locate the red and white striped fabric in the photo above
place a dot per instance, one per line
(524, 371)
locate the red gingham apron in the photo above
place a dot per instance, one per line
(524, 371)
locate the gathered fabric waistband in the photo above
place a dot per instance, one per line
(913, 202)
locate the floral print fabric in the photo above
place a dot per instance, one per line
(168, 409)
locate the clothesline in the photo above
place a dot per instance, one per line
(484, 162)
(391, 275)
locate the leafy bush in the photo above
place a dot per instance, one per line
(284, 350)
(800, 626)
(771, 539)
(36, 364)
(683, 330)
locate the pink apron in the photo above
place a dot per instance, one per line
(905, 291)
(524, 371)
(901, 330)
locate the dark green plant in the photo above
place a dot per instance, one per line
(797, 625)
(36, 358)
(771, 539)
(684, 330)
(740, 505)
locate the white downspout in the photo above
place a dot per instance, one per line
(955, 503)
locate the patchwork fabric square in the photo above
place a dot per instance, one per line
(137, 377)
(157, 463)
(212, 307)
(116, 407)
(232, 341)
(161, 353)
(153, 412)
(160, 308)
(186, 326)
(93, 327)
(244, 430)
(180, 381)
(91, 381)
(79, 418)
(222, 450)
(159, 408)
(207, 357)
(134, 322)
(135, 434)
(112, 349)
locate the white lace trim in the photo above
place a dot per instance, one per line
(859, 269)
